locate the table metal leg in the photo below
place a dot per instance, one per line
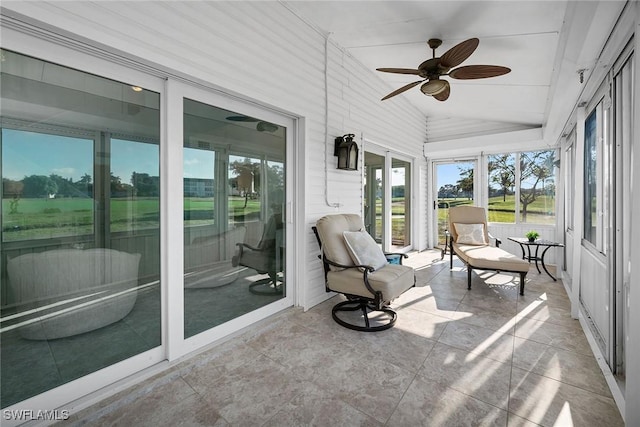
(537, 258)
(544, 266)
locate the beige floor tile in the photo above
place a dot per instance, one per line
(421, 324)
(168, 404)
(477, 376)
(423, 299)
(429, 403)
(569, 367)
(516, 421)
(451, 289)
(568, 337)
(366, 382)
(481, 341)
(317, 407)
(493, 318)
(533, 297)
(549, 402)
(247, 395)
(491, 300)
(546, 313)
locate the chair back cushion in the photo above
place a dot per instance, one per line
(331, 230)
(467, 215)
(364, 250)
(470, 234)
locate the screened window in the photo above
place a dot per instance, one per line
(522, 187)
(593, 228)
(570, 180)
(502, 186)
(537, 187)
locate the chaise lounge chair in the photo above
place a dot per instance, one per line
(469, 240)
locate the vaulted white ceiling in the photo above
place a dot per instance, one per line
(545, 43)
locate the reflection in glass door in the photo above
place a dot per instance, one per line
(454, 185)
(234, 242)
(80, 235)
(400, 204)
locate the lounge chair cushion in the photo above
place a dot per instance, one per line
(490, 258)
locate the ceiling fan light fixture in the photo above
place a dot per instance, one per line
(434, 87)
(432, 69)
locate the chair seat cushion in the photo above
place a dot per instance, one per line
(392, 280)
(490, 258)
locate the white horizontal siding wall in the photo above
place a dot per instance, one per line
(262, 52)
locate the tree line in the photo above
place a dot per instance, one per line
(535, 169)
(54, 185)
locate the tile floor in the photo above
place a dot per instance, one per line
(454, 358)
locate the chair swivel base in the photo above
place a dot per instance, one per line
(365, 307)
(266, 287)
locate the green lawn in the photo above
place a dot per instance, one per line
(48, 218)
(541, 211)
(41, 218)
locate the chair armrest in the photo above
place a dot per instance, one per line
(246, 245)
(367, 269)
(498, 241)
(401, 255)
(335, 264)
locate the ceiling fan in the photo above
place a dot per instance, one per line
(262, 126)
(432, 69)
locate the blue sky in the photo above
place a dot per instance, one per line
(31, 153)
(449, 173)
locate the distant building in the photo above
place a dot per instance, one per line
(198, 187)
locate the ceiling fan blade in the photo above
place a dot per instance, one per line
(402, 89)
(399, 70)
(470, 72)
(457, 54)
(444, 95)
(242, 119)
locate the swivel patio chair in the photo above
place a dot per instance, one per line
(355, 266)
(264, 257)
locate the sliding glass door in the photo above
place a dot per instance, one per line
(80, 284)
(234, 194)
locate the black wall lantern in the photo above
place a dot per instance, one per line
(347, 151)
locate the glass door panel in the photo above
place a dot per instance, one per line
(400, 204)
(455, 186)
(80, 269)
(373, 194)
(234, 243)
